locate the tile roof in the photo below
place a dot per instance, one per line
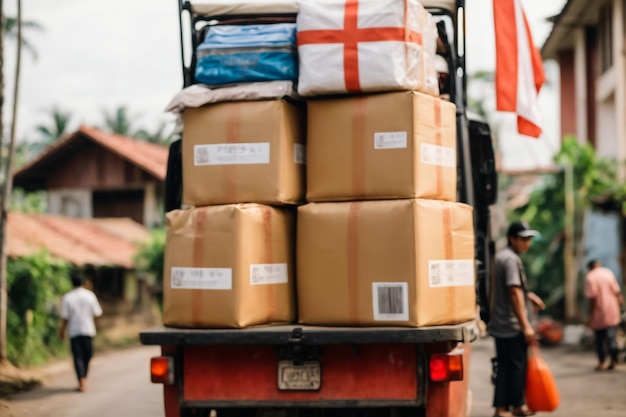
(97, 242)
(150, 157)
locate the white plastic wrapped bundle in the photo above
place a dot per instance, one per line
(349, 46)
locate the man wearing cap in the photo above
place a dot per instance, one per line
(510, 322)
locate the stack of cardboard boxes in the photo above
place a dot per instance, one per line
(381, 241)
(230, 257)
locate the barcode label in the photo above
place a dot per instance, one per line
(231, 154)
(391, 301)
(455, 273)
(202, 278)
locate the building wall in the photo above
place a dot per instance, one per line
(70, 202)
(606, 142)
(568, 93)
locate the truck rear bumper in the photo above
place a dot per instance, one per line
(311, 335)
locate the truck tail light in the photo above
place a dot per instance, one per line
(445, 367)
(162, 370)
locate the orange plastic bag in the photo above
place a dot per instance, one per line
(542, 393)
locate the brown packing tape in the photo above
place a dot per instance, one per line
(268, 258)
(448, 248)
(232, 136)
(438, 141)
(358, 147)
(353, 261)
(196, 262)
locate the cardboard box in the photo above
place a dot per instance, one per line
(243, 152)
(229, 266)
(386, 263)
(383, 146)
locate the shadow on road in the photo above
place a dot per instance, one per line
(43, 392)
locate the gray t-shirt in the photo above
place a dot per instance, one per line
(509, 272)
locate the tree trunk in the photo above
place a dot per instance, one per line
(571, 273)
(3, 279)
(8, 183)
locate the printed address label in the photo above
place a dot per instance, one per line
(390, 140)
(454, 273)
(264, 274)
(202, 278)
(231, 154)
(438, 155)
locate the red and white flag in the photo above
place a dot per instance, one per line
(519, 69)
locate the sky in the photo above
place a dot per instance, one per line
(97, 55)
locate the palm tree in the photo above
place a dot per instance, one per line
(58, 129)
(119, 122)
(160, 136)
(49, 134)
(10, 32)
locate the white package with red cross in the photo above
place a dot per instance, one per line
(351, 46)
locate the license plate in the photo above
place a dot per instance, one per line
(304, 377)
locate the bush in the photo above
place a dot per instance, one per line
(36, 285)
(150, 258)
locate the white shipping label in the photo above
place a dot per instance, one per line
(299, 153)
(391, 301)
(231, 154)
(202, 278)
(390, 140)
(456, 273)
(438, 155)
(264, 274)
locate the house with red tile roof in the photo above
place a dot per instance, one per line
(91, 173)
(104, 193)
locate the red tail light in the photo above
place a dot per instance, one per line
(446, 366)
(162, 370)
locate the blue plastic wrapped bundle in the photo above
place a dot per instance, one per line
(238, 54)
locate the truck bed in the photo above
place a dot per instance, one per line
(308, 335)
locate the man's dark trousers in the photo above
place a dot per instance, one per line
(510, 378)
(81, 351)
(605, 337)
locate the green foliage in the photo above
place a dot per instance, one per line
(29, 202)
(151, 254)
(150, 257)
(594, 179)
(10, 31)
(120, 121)
(36, 284)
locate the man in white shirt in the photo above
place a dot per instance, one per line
(78, 309)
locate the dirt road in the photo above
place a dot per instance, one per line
(119, 386)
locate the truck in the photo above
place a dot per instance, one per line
(316, 371)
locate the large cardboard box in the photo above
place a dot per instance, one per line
(382, 146)
(386, 263)
(243, 152)
(229, 266)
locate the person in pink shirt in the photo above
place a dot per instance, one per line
(605, 299)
